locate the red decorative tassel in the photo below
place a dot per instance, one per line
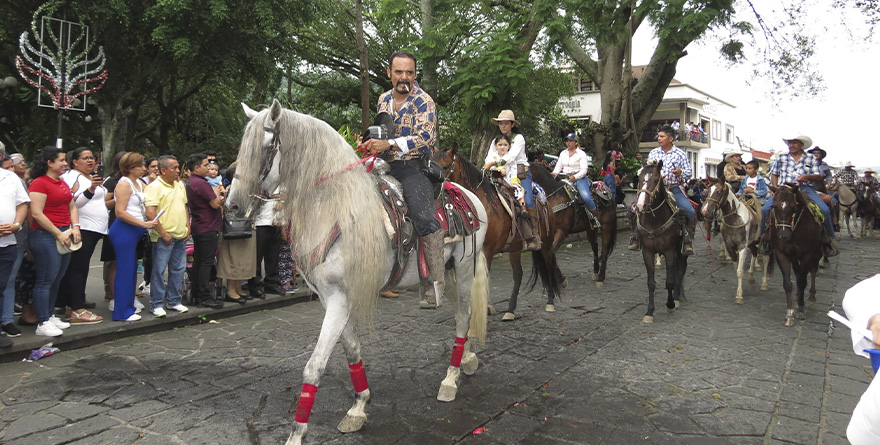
(457, 351)
(358, 376)
(306, 401)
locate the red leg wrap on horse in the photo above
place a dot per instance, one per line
(457, 351)
(304, 406)
(358, 376)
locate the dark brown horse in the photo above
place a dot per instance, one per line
(796, 240)
(461, 171)
(568, 217)
(659, 228)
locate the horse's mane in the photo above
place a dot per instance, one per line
(311, 150)
(474, 178)
(545, 179)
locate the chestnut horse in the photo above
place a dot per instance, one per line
(796, 241)
(659, 228)
(458, 169)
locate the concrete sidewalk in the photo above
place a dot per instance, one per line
(78, 336)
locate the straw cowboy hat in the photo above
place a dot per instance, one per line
(806, 140)
(849, 164)
(869, 171)
(505, 115)
(729, 153)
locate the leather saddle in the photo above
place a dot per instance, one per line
(452, 208)
(598, 190)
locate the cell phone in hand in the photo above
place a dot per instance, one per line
(100, 171)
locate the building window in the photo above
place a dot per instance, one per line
(716, 130)
(582, 85)
(728, 134)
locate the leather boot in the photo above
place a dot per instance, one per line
(687, 247)
(634, 236)
(528, 226)
(594, 221)
(436, 283)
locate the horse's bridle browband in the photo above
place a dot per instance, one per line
(719, 203)
(795, 218)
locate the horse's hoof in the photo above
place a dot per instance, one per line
(789, 322)
(764, 287)
(550, 308)
(470, 363)
(812, 299)
(350, 424)
(595, 277)
(600, 284)
(648, 319)
(739, 300)
(677, 304)
(508, 316)
(447, 393)
(564, 283)
(801, 316)
(427, 304)
(751, 280)
(491, 309)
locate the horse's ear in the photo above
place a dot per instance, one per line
(660, 165)
(773, 188)
(275, 110)
(248, 111)
(454, 149)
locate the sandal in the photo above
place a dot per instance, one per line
(84, 316)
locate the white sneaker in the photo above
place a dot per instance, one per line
(111, 305)
(138, 305)
(134, 317)
(47, 329)
(144, 288)
(178, 308)
(158, 312)
(58, 323)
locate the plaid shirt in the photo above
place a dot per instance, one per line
(416, 121)
(867, 183)
(789, 170)
(847, 177)
(673, 159)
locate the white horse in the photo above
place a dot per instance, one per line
(342, 249)
(739, 228)
(849, 205)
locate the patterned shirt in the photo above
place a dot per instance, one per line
(867, 182)
(789, 170)
(847, 177)
(415, 121)
(672, 159)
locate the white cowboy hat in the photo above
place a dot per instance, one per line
(505, 115)
(730, 153)
(869, 171)
(806, 140)
(849, 164)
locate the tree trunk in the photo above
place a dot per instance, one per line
(429, 64)
(364, 64)
(481, 137)
(114, 127)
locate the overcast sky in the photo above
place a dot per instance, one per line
(844, 120)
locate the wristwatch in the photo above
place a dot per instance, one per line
(392, 142)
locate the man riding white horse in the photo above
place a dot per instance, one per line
(415, 135)
(676, 172)
(798, 166)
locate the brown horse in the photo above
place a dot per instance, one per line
(568, 218)
(659, 228)
(796, 240)
(458, 169)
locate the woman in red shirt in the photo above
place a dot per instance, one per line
(53, 213)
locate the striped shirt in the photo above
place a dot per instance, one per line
(415, 121)
(672, 159)
(789, 170)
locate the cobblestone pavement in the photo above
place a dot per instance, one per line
(712, 372)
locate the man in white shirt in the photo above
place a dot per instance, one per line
(13, 211)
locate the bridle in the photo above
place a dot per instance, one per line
(723, 190)
(795, 217)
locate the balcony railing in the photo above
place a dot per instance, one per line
(694, 136)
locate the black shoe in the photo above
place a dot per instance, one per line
(273, 290)
(829, 250)
(11, 330)
(16, 309)
(257, 294)
(239, 300)
(211, 303)
(5, 341)
(89, 305)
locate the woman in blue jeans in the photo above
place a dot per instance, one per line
(55, 219)
(127, 230)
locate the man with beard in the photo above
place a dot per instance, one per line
(415, 135)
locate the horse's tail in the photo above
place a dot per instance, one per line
(611, 227)
(547, 273)
(479, 301)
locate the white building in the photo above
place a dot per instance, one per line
(682, 102)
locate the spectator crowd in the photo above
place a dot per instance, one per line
(158, 216)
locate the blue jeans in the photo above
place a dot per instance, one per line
(49, 267)
(173, 257)
(8, 308)
(814, 197)
(8, 258)
(529, 190)
(611, 184)
(583, 186)
(683, 202)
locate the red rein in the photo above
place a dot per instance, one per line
(370, 158)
